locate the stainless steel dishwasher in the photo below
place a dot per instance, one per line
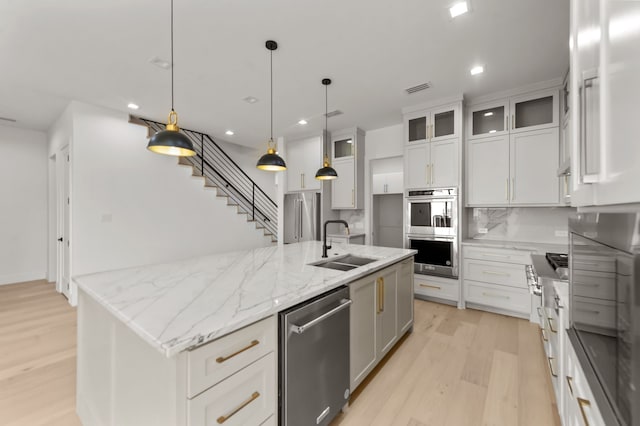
(314, 359)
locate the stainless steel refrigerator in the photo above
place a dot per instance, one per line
(301, 217)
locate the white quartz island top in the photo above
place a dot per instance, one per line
(177, 305)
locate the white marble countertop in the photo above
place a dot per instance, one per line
(350, 235)
(178, 305)
(539, 248)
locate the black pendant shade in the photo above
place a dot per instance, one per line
(271, 161)
(326, 172)
(170, 141)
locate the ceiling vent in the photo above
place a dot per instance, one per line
(333, 113)
(418, 88)
(10, 120)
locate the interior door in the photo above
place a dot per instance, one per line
(488, 171)
(534, 165)
(64, 221)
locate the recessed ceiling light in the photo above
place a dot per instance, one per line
(492, 131)
(229, 133)
(250, 100)
(459, 9)
(161, 63)
(302, 122)
(488, 114)
(133, 106)
(479, 69)
(350, 141)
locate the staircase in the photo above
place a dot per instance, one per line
(219, 171)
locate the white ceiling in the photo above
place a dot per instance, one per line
(98, 51)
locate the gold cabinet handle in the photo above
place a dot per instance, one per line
(513, 122)
(427, 177)
(431, 179)
(502, 274)
(569, 383)
(551, 326)
(430, 286)
(353, 197)
(253, 397)
(222, 359)
(544, 335)
(382, 292)
(506, 189)
(513, 189)
(378, 310)
(553, 373)
(584, 403)
(303, 181)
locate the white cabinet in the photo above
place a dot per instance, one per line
(387, 183)
(304, 158)
(605, 91)
(517, 170)
(437, 287)
(488, 171)
(534, 111)
(534, 167)
(381, 311)
(432, 147)
(488, 120)
(495, 279)
(347, 152)
(432, 164)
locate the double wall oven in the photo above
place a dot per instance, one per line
(432, 230)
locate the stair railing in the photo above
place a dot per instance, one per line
(219, 170)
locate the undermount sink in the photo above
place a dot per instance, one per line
(345, 262)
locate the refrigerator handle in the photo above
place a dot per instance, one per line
(296, 227)
(301, 218)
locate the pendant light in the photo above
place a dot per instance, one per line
(170, 141)
(271, 161)
(326, 172)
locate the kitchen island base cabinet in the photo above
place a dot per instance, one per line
(381, 312)
(122, 380)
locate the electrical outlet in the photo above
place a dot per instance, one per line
(483, 231)
(562, 233)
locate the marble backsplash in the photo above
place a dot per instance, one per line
(355, 219)
(530, 224)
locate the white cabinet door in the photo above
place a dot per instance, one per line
(395, 183)
(416, 127)
(304, 158)
(379, 183)
(534, 165)
(444, 163)
(387, 321)
(362, 321)
(417, 165)
(405, 296)
(488, 171)
(343, 188)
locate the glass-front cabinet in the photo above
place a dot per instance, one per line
(490, 119)
(535, 111)
(431, 125)
(343, 148)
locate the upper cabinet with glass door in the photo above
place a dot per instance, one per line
(489, 119)
(343, 148)
(431, 125)
(534, 111)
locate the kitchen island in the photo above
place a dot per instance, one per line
(161, 344)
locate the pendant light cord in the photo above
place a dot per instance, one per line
(271, 76)
(171, 55)
(326, 118)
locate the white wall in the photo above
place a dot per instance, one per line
(23, 205)
(132, 207)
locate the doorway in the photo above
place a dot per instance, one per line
(63, 225)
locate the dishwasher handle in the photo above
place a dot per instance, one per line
(299, 329)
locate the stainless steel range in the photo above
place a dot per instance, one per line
(432, 230)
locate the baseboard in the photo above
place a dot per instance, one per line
(23, 277)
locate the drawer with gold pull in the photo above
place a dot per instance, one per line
(245, 398)
(441, 288)
(217, 360)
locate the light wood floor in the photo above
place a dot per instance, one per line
(458, 367)
(37, 356)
